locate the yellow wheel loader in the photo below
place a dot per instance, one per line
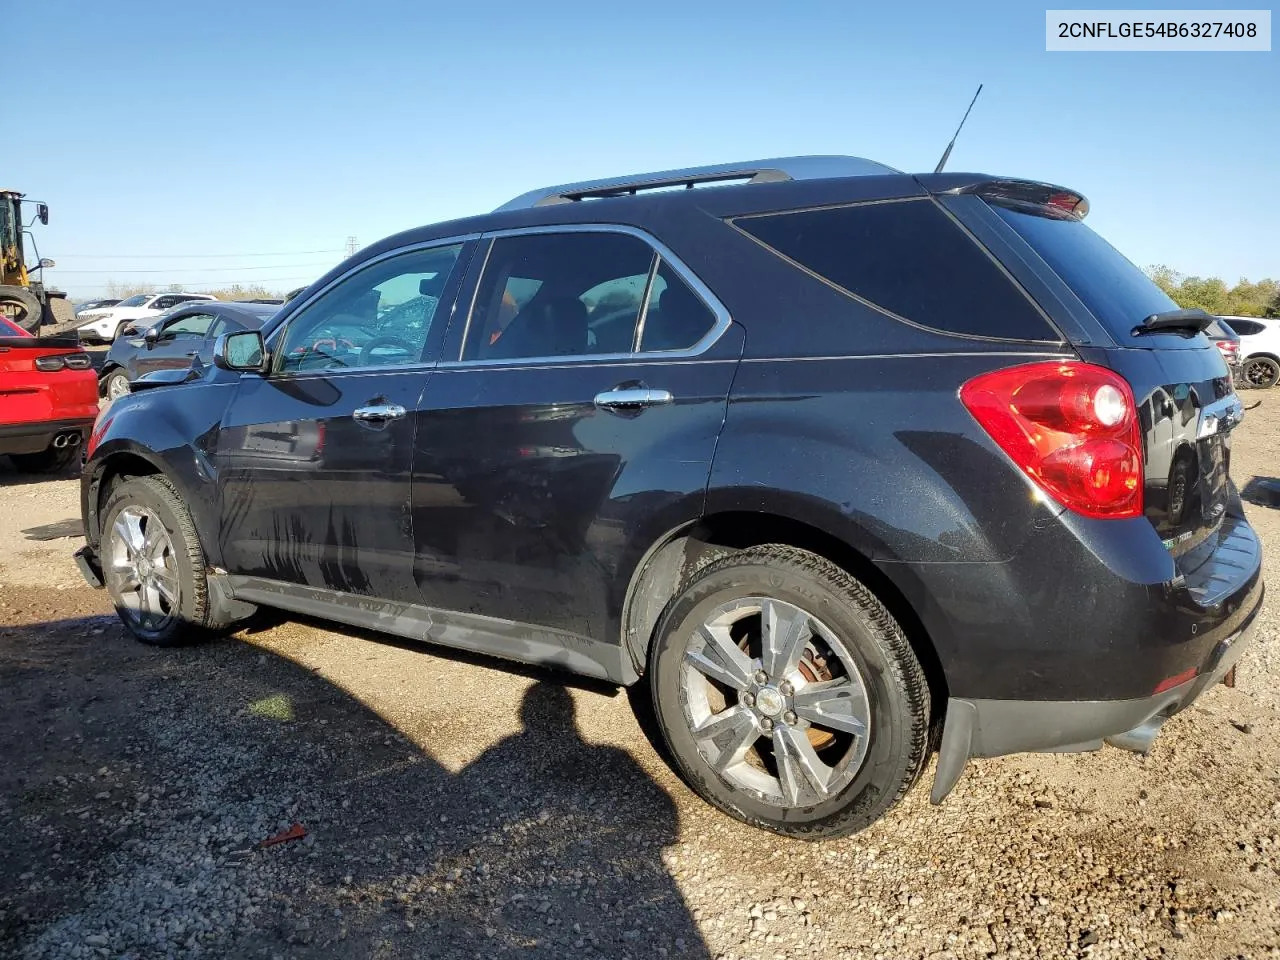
(23, 300)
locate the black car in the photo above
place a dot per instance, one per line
(180, 338)
(839, 465)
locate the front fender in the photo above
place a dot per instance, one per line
(173, 432)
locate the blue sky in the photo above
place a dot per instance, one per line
(268, 127)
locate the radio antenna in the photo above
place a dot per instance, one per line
(947, 152)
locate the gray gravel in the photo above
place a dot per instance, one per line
(457, 807)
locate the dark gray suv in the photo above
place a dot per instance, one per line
(838, 465)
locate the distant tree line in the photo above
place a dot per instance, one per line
(234, 292)
(1211, 294)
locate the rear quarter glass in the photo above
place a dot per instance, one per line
(910, 259)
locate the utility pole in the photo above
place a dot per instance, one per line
(352, 246)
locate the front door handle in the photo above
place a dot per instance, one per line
(378, 413)
(632, 398)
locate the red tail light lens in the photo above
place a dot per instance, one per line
(1072, 427)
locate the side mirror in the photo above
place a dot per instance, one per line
(242, 350)
(46, 263)
(42, 211)
(151, 335)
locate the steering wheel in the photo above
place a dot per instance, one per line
(366, 355)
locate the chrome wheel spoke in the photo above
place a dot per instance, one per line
(803, 776)
(128, 528)
(784, 630)
(836, 704)
(732, 733)
(155, 541)
(148, 601)
(125, 576)
(720, 659)
(167, 589)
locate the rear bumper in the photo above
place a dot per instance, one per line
(36, 437)
(993, 728)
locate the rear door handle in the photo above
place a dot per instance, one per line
(632, 398)
(378, 412)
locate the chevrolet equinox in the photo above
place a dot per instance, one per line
(846, 466)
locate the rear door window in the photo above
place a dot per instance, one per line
(559, 294)
(588, 293)
(1119, 294)
(909, 259)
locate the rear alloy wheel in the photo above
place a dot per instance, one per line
(116, 385)
(153, 564)
(788, 695)
(1261, 372)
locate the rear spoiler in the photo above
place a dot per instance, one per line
(1030, 192)
(58, 342)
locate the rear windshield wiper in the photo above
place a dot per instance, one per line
(1192, 320)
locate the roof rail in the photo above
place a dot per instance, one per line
(750, 171)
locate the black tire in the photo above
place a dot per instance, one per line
(897, 693)
(111, 381)
(194, 617)
(1260, 373)
(22, 307)
(52, 460)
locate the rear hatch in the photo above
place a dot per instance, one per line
(1186, 403)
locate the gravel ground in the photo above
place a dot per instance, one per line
(460, 807)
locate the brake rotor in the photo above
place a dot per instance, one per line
(814, 669)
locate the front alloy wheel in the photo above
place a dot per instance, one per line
(141, 570)
(154, 565)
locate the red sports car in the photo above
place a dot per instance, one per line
(48, 399)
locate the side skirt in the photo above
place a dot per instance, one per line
(523, 642)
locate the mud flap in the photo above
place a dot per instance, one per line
(89, 566)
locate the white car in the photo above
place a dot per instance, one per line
(103, 326)
(1259, 349)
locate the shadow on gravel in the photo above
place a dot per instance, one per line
(10, 476)
(137, 783)
(1262, 491)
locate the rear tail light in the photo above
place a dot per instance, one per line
(63, 361)
(1072, 427)
(1230, 350)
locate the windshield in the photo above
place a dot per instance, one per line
(135, 301)
(1119, 294)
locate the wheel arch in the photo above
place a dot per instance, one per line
(104, 473)
(685, 550)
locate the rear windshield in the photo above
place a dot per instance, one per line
(1119, 294)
